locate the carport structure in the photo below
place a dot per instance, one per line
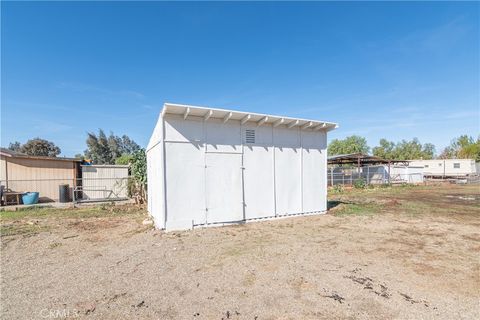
(360, 159)
(210, 166)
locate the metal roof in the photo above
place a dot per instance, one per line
(359, 158)
(105, 165)
(244, 117)
(13, 154)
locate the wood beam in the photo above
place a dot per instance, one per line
(262, 121)
(320, 126)
(187, 112)
(208, 115)
(245, 119)
(227, 117)
(293, 124)
(278, 122)
(164, 111)
(307, 125)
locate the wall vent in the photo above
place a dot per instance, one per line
(250, 136)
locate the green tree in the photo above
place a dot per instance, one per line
(404, 150)
(384, 150)
(98, 148)
(105, 150)
(114, 145)
(129, 146)
(463, 147)
(15, 146)
(124, 159)
(36, 147)
(428, 151)
(352, 144)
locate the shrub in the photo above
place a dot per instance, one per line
(138, 185)
(338, 188)
(359, 183)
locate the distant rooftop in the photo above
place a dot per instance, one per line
(13, 154)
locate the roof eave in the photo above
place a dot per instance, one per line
(244, 117)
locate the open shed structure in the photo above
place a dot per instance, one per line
(211, 166)
(344, 169)
(360, 160)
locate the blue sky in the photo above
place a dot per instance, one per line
(392, 70)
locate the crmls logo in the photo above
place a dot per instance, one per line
(58, 313)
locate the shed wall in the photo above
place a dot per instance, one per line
(104, 182)
(155, 173)
(37, 175)
(212, 173)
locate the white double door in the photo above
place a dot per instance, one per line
(224, 187)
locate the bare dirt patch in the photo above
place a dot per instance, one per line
(397, 253)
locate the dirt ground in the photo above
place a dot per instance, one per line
(388, 253)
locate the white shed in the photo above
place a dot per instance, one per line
(210, 166)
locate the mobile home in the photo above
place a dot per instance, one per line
(446, 167)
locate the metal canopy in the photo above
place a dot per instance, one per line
(245, 117)
(359, 159)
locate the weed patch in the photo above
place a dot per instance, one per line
(358, 209)
(21, 229)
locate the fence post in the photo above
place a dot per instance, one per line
(331, 176)
(368, 175)
(389, 172)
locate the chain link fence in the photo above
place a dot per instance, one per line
(371, 175)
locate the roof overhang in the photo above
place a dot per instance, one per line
(15, 155)
(245, 117)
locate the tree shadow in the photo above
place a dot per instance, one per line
(334, 203)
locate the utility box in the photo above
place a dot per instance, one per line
(64, 193)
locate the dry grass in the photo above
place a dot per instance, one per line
(33, 220)
(397, 253)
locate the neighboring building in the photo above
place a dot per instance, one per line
(446, 167)
(393, 174)
(210, 166)
(104, 182)
(375, 174)
(345, 169)
(23, 173)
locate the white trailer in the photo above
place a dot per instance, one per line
(446, 167)
(210, 166)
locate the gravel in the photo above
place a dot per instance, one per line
(389, 265)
